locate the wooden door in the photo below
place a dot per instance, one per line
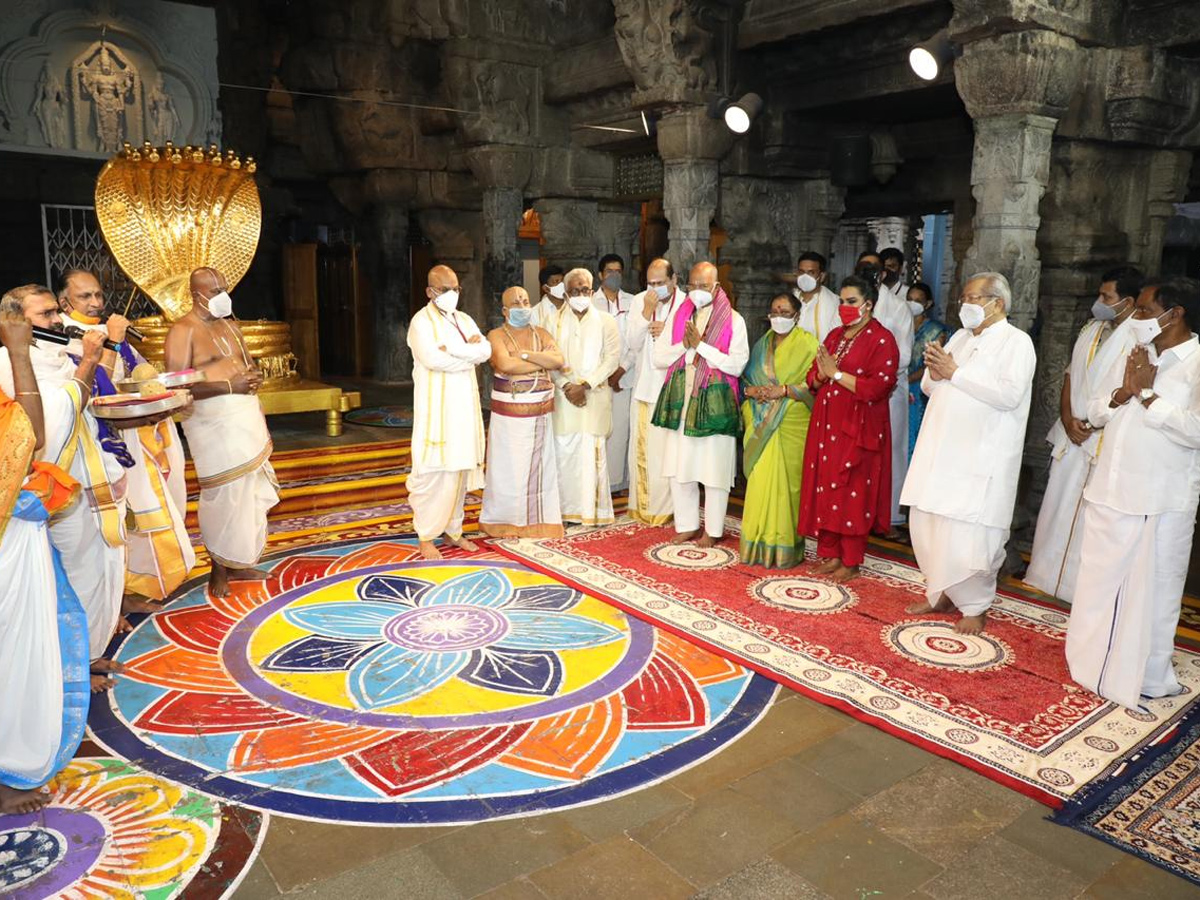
(337, 280)
(300, 307)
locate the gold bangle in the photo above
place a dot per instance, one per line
(28, 394)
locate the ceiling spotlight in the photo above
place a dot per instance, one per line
(930, 57)
(739, 115)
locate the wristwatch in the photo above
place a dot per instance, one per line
(525, 356)
(837, 376)
(1146, 394)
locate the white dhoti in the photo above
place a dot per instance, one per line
(160, 552)
(437, 498)
(231, 449)
(958, 559)
(1132, 569)
(583, 478)
(898, 414)
(618, 440)
(520, 494)
(689, 462)
(1054, 560)
(649, 491)
(96, 570)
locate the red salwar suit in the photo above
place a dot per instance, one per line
(847, 487)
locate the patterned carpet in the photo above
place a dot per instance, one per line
(1002, 703)
(381, 416)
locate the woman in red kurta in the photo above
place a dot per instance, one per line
(847, 485)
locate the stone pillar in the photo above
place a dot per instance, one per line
(503, 171)
(821, 205)
(851, 239)
(618, 227)
(892, 231)
(568, 232)
(391, 288)
(691, 146)
(757, 217)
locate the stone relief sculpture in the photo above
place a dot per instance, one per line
(664, 46)
(216, 124)
(52, 109)
(162, 120)
(102, 77)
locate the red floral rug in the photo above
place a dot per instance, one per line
(1002, 703)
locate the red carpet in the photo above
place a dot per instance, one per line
(1002, 703)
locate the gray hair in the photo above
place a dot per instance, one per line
(581, 272)
(14, 301)
(997, 285)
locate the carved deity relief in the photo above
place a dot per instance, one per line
(162, 120)
(105, 79)
(663, 46)
(52, 109)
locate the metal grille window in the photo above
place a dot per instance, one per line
(639, 176)
(72, 240)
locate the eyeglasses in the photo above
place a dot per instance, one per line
(698, 287)
(580, 292)
(440, 291)
(976, 298)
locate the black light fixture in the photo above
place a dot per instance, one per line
(930, 57)
(739, 114)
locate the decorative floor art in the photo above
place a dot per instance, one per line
(381, 416)
(1002, 703)
(361, 684)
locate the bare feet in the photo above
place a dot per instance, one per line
(429, 550)
(131, 604)
(826, 566)
(247, 574)
(707, 540)
(14, 802)
(685, 537)
(123, 626)
(101, 683)
(218, 580)
(842, 574)
(107, 665)
(922, 606)
(462, 543)
(971, 624)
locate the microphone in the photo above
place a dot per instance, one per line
(134, 333)
(68, 332)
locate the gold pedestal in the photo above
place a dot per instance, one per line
(311, 396)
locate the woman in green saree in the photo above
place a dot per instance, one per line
(775, 426)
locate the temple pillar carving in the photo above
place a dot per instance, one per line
(820, 207)
(618, 227)
(850, 239)
(503, 172)
(391, 291)
(757, 217)
(569, 237)
(691, 147)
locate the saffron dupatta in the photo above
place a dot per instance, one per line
(17, 442)
(713, 409)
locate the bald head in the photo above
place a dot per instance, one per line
(442, 277)
(514, 296)
(207, 281)
(704, 276)
(659, 270)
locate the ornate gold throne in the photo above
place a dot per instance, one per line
(165, 211)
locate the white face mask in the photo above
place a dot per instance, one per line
(558, 291)
(782, 324)
(1146, 330)
(917, 309)
(580, 304)
(972, 314)
(663, 291)
(806, 283)
(446, 301)
(701, 298)
(220, 305)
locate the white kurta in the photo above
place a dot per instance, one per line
(591, 349)
(1139, 516)
(1054, 561)
(894, 315)
(91, 534)
(649, 491)
(967, 462)
(618, 439)
(546, 315)
(819, 315)
(448, 440)
(712, 460)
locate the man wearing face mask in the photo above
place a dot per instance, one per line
(553, 299)
(1140, 504)
(591, 351)
(649, 492)
(962, 483)
(227, 432)
(892, 261)
(618, 304)
(520, 494)
(894, 315)
(818, 304)
(1103, 344)
(448, 438)
(704, 350)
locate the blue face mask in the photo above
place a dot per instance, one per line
(519, 316)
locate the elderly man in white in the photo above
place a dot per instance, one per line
(1140, 505)
(649, 491)
(962, 483)
(591, 349)
(1103, 343)
(447, 440)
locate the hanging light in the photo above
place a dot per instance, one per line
(739, 116)
(930, 57)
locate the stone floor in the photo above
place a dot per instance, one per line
(809, 804)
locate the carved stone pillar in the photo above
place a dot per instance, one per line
(503, 171)
(892, 231)
(568, 232)
(821, 205)
(618, 226)
(851, 239)
(757, 217)
(390, 292)
(691, 145)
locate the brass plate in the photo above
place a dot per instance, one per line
(166, 379)
(126, 410)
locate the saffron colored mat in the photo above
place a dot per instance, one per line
(1001, 703)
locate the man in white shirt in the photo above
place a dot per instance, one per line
(591, 349)
(554, 298)
(447, 440)
(894, 315)
(649, 492)
(1103, 343)
(618, 304)
(704, 349)
(962, 484)
(892, 261)
(1140, 505)
(818, 304)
